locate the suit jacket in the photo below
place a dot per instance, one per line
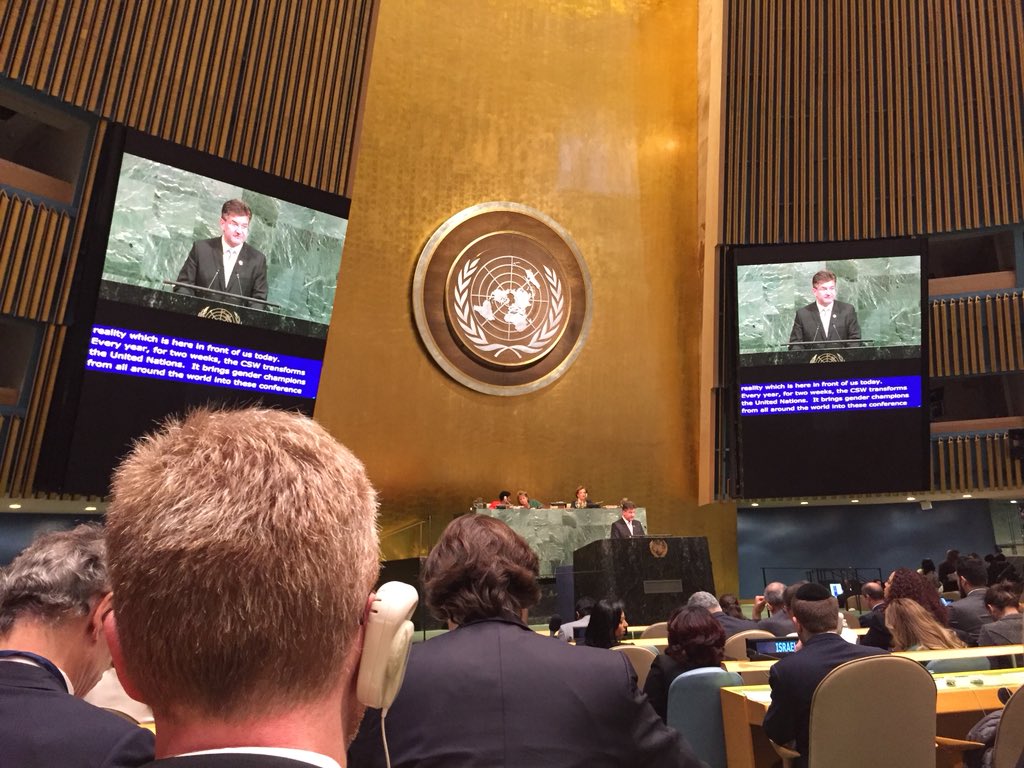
(779, 624)
(1005, 631)
(204, 268)
(621, 531)
(793, 680)
(877, 635)
(493, 693)
(968, 614)
(42, 726)
(664, 669)
(807, 325)
(732, 625)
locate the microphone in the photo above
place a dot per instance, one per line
(215, 275)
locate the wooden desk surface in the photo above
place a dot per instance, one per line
(954, 653)
(744, 708)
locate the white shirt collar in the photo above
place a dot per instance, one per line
(301, 755)
(225, 248)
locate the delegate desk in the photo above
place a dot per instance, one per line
(962, 698)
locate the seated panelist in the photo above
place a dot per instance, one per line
(582, 501)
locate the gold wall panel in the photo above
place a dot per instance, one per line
(586, 111)
(272, 84)
(984, 334)
(853, 120)
(974, 462)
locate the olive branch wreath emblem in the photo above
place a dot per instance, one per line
(475, 333)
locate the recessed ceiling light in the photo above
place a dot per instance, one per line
(755, 504)
(911, 498)
(90, 509)
(966, 496)
(803, 503)
(14, 506)
(1013, 501)
(855, 501)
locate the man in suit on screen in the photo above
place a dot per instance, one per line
(824, 319)
(227, 263)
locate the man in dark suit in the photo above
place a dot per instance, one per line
(730, 624)
(243, 552)
(626, 527)
(491, 692)
(968, 614)
(824, 319)
(53, 598)
(877, 635)
(794, 678)
(227, 263)
(778, 621)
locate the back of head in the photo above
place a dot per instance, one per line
(907, 583)
(584, 606)
(705, 600)
(243, 545)
(480, 569)
(56, 577)
(815, 608)
(731, 605)
(873, 591)
(695, 638)
(788, 595)
(775, 594)
(972, 570)
(912, 626)
(604, 620)
(1002, 596)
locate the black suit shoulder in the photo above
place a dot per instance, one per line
(41, 726)
(229, 760)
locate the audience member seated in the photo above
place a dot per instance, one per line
(968, 614)
(503, 501)
(730, 624)
(904, 582)
(554, 624)
(731, 605)
(877, 635)
(794, 678)
(583, 608)
(523, 500)
(492, 693)
(947, 570)
(778, 621)
(927, 570)
(52, 603)
(243, 553)
(1000, 569)
(607, 625)
(1003, 602)
(913, 628)
(695, 640)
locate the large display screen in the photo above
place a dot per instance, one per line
(200, 282)
(827, 368)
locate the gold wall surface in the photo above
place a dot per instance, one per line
(854, 120)
(587, 111)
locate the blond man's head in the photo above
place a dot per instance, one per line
(242, 546)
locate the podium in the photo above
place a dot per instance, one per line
(651, 575)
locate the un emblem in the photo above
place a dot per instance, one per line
(502, 298)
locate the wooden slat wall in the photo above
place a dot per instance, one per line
(273, 84)
(871, 118)
(974, 462)
(974, 335)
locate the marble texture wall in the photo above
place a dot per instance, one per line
(885, 292)
(160, 211)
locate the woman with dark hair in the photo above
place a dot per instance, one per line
(731, 605)
(1003, 604)
(904, 582)
(491, 692)
(607, 625)
(695, 640)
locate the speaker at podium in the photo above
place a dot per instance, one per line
(651, 575)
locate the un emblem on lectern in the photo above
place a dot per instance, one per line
(502, 298)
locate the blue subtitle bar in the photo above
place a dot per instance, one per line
(830, 395)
